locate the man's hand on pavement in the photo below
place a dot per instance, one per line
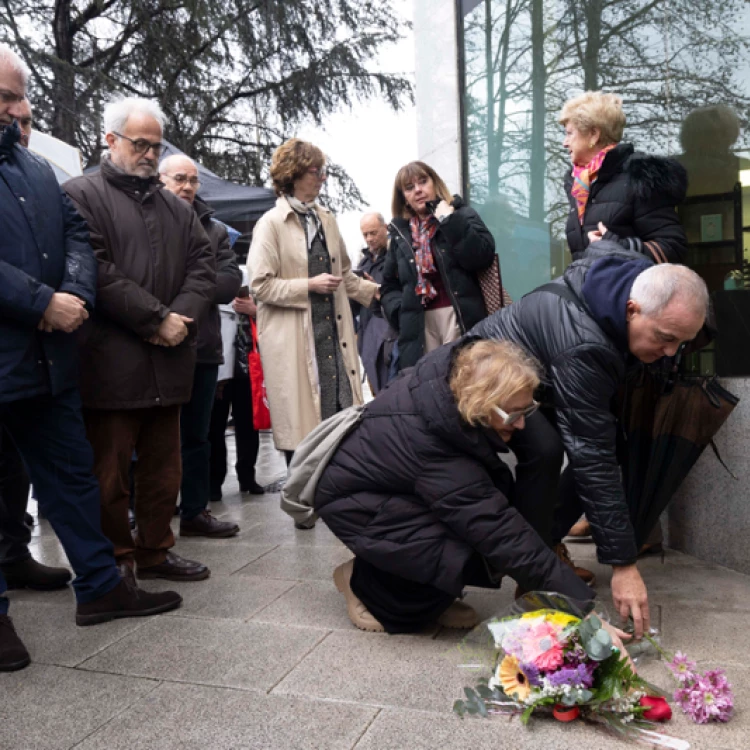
(630, 597)
(65, 312)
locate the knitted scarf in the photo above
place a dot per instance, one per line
(584, 177)
(422, 232)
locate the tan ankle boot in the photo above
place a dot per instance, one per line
(459, 616)
(358, 613)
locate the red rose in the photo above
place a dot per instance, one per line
(566, 713)
(659, 709)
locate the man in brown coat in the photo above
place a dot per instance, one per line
(156, 284)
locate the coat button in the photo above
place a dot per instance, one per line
(22, 199)
(338, 317)
(45, 256)
(343, 343)
(330, 356)
(157, 399)
(333, 260)
(50, 362)
(354, 372)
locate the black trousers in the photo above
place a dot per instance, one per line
(15, 535)
(403, 606)
(234, 393)
(195, 447)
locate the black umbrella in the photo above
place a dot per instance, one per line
(667, 419)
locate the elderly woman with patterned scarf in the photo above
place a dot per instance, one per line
(430, 292)
(301, 275)
(616, 193)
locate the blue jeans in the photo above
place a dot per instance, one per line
(50, 436)
(195, 421)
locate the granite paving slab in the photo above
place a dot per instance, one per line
(53, 708)
(188, 717)
(253, 656)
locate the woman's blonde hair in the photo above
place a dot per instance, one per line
(290, 161)
(487, 374)
(413, 171)
(595, 109)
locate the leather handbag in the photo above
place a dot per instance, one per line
(491, 283)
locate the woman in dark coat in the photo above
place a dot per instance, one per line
(430, 293)
(419, 495)
(616, 193)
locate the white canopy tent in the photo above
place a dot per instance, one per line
(65, 160)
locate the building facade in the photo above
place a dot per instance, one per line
(491, 78)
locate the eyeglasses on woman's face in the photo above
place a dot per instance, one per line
(510, 418)
(320, 172)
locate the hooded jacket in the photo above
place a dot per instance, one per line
(584, 360)
(153, 258)
(417, 492)
(634, 196)
(228, 282)
(44, 248)
(463, 246)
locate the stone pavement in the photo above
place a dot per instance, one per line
(262, 655)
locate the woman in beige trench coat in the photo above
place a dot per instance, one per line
(301, 275)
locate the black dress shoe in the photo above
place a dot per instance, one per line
(204, 524)
(13, 654)
(175, 568)
(30, 574)
(126, 600)
(253, 488)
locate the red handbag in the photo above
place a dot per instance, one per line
(261, 414)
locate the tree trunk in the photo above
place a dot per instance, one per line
(64, 114)
(493, 161)
(538, 104)
(593, 45)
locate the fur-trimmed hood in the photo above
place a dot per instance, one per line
(657, 175)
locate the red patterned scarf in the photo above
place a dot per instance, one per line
(422, 232)
(583, 179)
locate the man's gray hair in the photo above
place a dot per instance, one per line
(168, 161)
(10, 59)
(377, 215)
(656, 287)
(117, 112)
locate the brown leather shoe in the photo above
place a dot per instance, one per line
(585, 575)
(30, 574)
(204, 524)
(358, 613)
(460, 616)
(13, 654)
(126, 600)
(175, 568)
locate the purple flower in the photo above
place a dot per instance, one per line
(708, 698)
(532, 674)
(576, 656)
(582, 675)
(682, 668)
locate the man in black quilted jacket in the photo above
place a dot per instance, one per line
(609, 308)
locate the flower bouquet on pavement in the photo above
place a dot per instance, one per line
(547, 657)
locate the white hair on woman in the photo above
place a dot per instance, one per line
(10, 59)
(656, 287)
(117, 112)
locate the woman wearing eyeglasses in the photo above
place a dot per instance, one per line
(418, 493)
(302, 278)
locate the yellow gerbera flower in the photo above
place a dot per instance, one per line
(560, 618)
(514, 682)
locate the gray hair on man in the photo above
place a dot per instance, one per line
(656, 287)
(117, 112)
(12, 60)
(169, 161)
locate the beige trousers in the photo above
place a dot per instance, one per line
(440, 327)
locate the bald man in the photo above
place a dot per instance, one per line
(376, 340)
(180, 176)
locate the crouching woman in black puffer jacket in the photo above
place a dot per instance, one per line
(418, 493)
